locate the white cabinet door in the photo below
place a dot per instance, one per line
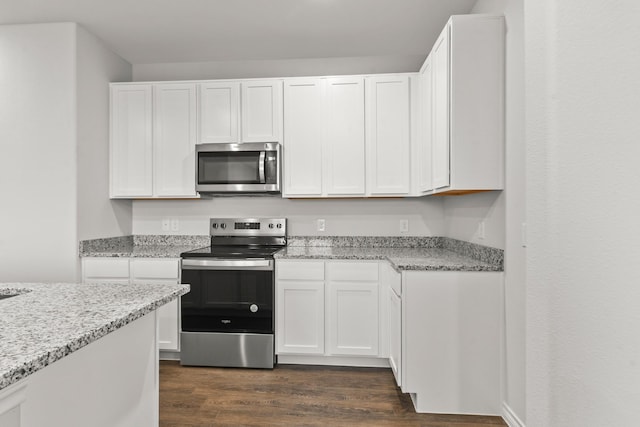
(395, 335)
(388, 135)
(441, 151)
(425, 120)
(155, 270)
(261, 111)
(353, 310)
(219, 112)
(304, 131)
(174, 139)
(131, 144)
(301, 317)
(300, 307)
(345, 144)
(105, 270)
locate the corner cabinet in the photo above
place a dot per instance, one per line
(152, 143)
(141, 271)
(331, 310)
(463, 107)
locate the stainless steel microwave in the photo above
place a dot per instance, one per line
(236, 169)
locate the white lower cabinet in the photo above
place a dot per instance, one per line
(142, 270)
(352, 308)
(451, 329)
(329, 309)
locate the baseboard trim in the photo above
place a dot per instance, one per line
(364, 362)
(510, 417)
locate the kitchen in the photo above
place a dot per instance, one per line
(548, 337)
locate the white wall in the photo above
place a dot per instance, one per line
(583, 293)
(275, 68)
(38, 237)
(343, 217)
(504, 212)
(98, 216)
(53, 149)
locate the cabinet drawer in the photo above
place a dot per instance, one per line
(105, 268)
(300, 270)
(154, 269)
(353, 271)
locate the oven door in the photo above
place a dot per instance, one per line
(238, 168)
(228, 295)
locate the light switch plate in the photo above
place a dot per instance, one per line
(320, 225)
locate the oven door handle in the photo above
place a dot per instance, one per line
(227, 264)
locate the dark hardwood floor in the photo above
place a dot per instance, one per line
(292, 395)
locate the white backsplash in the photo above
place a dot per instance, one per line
(349, 217)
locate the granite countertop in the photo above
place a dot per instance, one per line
(400, 258)
(48, 321)
(404, 253)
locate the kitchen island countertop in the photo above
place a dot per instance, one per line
(45, 322)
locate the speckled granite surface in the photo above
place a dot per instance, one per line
(49, 321)
(143, 246)
(404, 253)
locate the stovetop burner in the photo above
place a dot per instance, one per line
(243, 238)
(232, 252)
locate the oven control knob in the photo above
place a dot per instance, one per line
(279, 225)
(223, 225)
(253, 308)
(214, 225)
(270, 225)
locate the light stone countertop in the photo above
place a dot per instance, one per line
(404, 253)
(48, 321)
(400, 258)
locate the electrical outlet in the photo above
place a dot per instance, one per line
(404, 225)
(320, 225)
(166, 224)
(481, 233)
(175, 225)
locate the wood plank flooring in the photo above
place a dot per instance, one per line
(292, 395)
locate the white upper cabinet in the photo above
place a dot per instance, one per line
(303, 141)
(261, 111)
(388, 135)
(345, 139)
(467, 105)
(153, 136)
(219, 112)
(341, 142)
(174, 140)
(131, 155)
(240, 111)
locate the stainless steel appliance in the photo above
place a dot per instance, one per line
(232, 169)
(228, 317)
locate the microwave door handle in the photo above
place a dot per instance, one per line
(261, 162)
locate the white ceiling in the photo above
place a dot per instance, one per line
(159, 31)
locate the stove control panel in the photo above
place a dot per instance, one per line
(248, 227)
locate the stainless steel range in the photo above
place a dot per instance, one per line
(228, 317)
